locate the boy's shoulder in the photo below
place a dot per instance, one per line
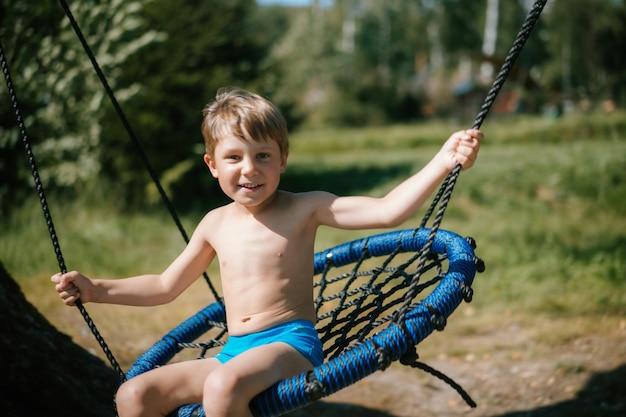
(215, 215)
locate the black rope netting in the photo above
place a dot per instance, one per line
(354, 308)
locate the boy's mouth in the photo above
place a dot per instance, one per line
(250, 186)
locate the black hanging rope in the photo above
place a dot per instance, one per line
(46, 210)
(131, 134)
(440, 375)
(445, 192)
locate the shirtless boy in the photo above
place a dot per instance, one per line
(264, 243)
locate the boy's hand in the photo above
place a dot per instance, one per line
(461, 148)
(70, 285)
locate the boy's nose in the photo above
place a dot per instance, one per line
(248, 166)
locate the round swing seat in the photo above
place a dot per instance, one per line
(362, 357)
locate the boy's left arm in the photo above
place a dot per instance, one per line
(406, 198)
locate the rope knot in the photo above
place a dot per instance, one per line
(480, 264)
(409, 357)
(468, 292)
(383, 359)
(437, 319)
(314, 389)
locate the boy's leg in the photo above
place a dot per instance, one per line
(162, 390)
(230, 387)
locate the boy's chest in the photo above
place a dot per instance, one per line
(262, 241)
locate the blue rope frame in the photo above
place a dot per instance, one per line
(362, 359)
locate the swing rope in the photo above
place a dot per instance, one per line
(445, 192)
(131, 134)
(46, 211)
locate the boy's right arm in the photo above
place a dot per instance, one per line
(141, 290)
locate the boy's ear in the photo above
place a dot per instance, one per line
(283, 164)
(211, 164)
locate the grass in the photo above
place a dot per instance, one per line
(545, 203)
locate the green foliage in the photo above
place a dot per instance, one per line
(77, 134)
(208, 45)
(62, 98)
(586, 34)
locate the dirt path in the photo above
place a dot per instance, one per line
(508, 372)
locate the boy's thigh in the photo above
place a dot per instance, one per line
(176, 383)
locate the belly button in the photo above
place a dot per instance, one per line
(245, 319)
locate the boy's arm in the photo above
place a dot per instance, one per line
(406, 198)
(141, 290)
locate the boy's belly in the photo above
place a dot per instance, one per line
(243, 321)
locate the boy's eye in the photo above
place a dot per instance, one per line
(233, 157)
(263, 155)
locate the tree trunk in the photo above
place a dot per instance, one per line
(42, 372)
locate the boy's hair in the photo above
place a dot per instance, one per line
(244, 115)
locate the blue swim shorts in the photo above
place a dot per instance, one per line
(299, 334)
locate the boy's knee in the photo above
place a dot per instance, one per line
(129, 398)
(224, 394)
(220, 385)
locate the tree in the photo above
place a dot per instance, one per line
(360, 62)
(163, 59)
(43, 372)
(61, 96)
(584, 39)
(20, 40)
(207, 45)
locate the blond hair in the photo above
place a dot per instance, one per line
(244, 115)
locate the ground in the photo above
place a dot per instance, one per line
(513, 371)
(513, 363)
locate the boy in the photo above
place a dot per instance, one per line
(264, 243)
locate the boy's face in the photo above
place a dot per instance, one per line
(248, 172)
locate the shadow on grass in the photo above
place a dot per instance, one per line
(343, 180)
(610, 247)
(604, 395)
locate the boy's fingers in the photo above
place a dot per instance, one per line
(70, 288)
(70, 301)
(475, 133)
